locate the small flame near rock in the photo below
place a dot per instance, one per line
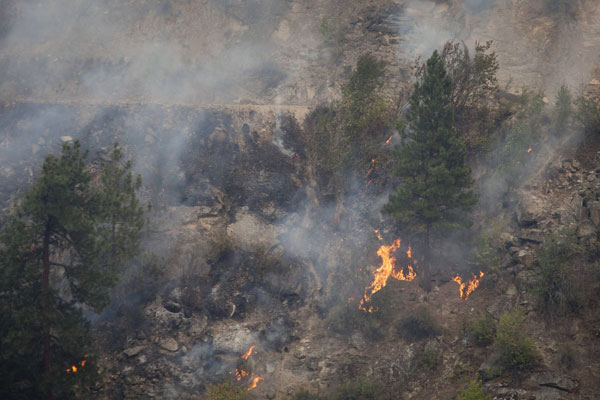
(466, 288)
(255, 382)
(248, 353)
(241, 373)
(385, 271)
(75, 368)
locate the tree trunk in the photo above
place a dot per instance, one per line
(45, 309)
(425, 281)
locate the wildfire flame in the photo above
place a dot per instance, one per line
(240, 374)
(466, 288)
(389, 140)
(75, 368)
(529, 150)
(255, 382)
(385, 271)
(248, 353)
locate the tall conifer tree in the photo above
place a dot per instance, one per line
(78, 232)
(434, 177)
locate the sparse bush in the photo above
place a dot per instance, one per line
(417, 325)
(587, 114)
(220, 245)
(521, 136)
(428, 358)
(484, 330)
(567, 357)
(473, 391)
(306, 395)
(347, 318)
(267, 260)
(227, 391)
(558, 292)
(487, 254)
(363, 390)
(516, 349)
(563, 110)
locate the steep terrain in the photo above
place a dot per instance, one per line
(197, 92)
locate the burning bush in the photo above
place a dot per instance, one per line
(516, 349)
(417, 325)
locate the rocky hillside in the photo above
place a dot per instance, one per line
(248, 262)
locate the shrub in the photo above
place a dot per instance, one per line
(347, 318)
(428, 358)
(567, 357)
(516, 349)
(473, 391)
(305, 395)
(557, 292)
(484, 330)
(417, 325)
(563, 110)
(587, 112)
(226, 391)
(363, 390)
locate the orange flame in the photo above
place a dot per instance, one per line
(389, 140)
(255, 382)
(385, 271)
(74, 367)
(240, 373)
(529, 150)
(466, 288)
(248, 353)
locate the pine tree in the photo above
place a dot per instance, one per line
(434, 178)
(60, 251)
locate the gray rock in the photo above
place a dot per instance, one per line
(527, 279)
(508, 240)
(547, 393)
(499, 306)
(577, 206)
(169, 344)
(524, 257)
(133, 351)
(491, 368)
(555, 380)
(533, 235)
(357, 341)
(594, 207)
(586, 229)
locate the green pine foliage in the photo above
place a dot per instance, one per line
(227, 391)
(516, 349)
(60, 251)
(563, 111)
(558, 291)
(473, 391)
(434, 191)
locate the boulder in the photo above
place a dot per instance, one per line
(532, 235)
(594, 207)
(555, 380)
(133, 351)
(524, 256)
(491, 368)
(235, 339)
(586, 229)
(169, 344)
(578, 208)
